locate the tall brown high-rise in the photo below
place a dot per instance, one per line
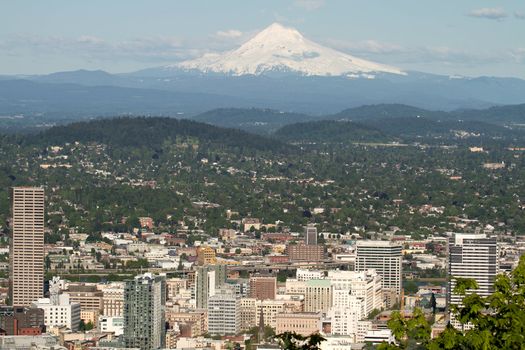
(27, 245)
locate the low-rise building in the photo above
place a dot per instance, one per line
(304, 323)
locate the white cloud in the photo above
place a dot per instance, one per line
(365, 46)
(232, 33)
(518, 55)
(519, 15)
(392, 53)
(88, 39)
(154, 48)
(488, 13)
(309, 5)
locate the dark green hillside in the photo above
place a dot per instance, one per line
(499, 114)
(495, 115)
(419, 126)
(253, 119)
(386, 111)
(330, 131)
(153, 133)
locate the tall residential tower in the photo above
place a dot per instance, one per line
(144, 302)
(27, 246)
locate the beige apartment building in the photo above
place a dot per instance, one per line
(196, 321)
(27, 245)
(206, 256)
(88, 296)
(113, 299)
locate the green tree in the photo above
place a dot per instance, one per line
(410, 333)
(294, 341)
(411, 287)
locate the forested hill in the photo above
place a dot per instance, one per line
(402, 129)
(386, 111)
(330, 131)
(422, 126)
(252, 119)
(153, 132)
(499, 114)
(510, 114)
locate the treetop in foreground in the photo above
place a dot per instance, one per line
(494, 322)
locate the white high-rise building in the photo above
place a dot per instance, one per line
(386, 258)
(354, 296)
(473, 256)
(345, 319)
(364, 285)
(27, 246)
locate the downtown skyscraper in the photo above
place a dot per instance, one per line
(27, 245)
(386, 258)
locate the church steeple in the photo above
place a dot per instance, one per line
(261, 326)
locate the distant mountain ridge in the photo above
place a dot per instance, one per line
(277, 69)
(299, 94)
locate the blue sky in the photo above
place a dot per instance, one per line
(467, 37)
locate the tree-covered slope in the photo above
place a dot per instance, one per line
(494, 115)
(420, 126)
(386, 111)
(153, 132)
(252, 119)
(330, 131)
(497, 114)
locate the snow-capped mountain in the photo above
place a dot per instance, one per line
(281, 49)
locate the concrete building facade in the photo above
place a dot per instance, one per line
(224, 313)
(207, 279)
(310, 235)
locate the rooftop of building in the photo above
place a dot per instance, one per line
(370, 243)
